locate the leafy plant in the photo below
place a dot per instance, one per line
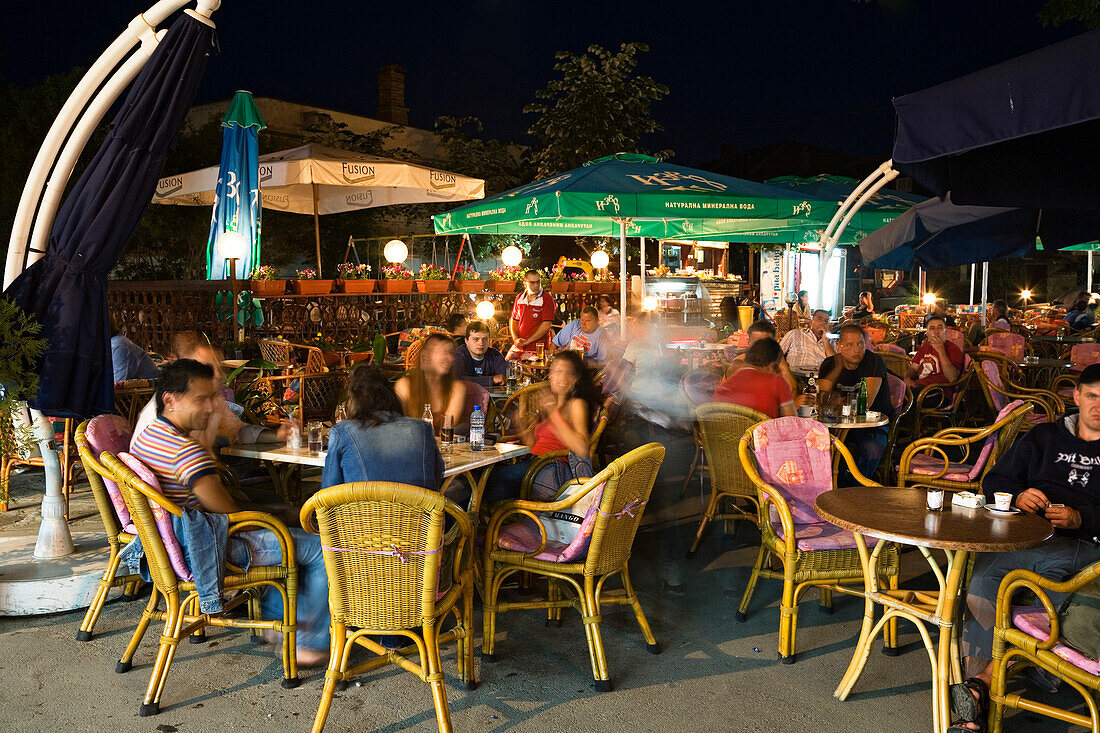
(264, 272)
(507, 272)
(20, 350)
(396, 272)
(465, 272)
(429, 271)
(603, 276)
(307, 273)
(348, 271)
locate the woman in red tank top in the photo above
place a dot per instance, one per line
(562, 422)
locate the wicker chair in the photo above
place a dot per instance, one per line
(131, 396)
(141, 498)
(390, 570)
(932, 402)
(525, 398)
(697, 388)
(1029, 637)
(897, 364)
(821, 555)
(67, 455)
(117, 535)
(924, 461)
(1048, 405)
(626, 484)
(317, 395)
(902, 400)
(721, 425)
(1012, 345)
(281, 353)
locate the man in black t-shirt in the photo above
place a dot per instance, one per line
(853, 363)
(476, 361)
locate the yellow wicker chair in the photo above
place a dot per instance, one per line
(932, 405)
(116, 537)
(999, 392)
(525, 398)
(826, 569)
(131, 396)
(1014, 650)
(627, 483)
(178, 623)
(925, 462)
(722, 425)
(280, 352)
(389, 565)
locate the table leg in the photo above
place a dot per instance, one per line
(863, 646)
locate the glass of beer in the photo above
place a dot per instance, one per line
(540, 351)
(447, 434)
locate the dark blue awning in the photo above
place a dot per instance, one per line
(1024, 133)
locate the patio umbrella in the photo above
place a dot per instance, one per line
(633, 195)
(237, 205)
(314, 179)
(66, 290)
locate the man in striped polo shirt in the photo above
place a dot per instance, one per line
(188, 475)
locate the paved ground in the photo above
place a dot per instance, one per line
(713, 673)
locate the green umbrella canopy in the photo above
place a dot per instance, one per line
(654, 198)
(243, 112)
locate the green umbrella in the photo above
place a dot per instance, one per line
(634, 195)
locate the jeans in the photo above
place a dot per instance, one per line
(1058, 560)
(867, 446)
(313, 614)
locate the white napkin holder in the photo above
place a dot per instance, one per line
(968, 499)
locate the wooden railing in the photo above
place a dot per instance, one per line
(150, 313)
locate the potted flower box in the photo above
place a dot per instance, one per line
(265, 284)
(396, 279)
(433, 279)
(504, 279)
(354, 278)
(605, 286)
(580, 286)
(559, 286)
(467, 280)
(501, 286)
(311, 287)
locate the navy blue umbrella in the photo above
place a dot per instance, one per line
(66, 290)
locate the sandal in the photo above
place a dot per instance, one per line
(969, 704)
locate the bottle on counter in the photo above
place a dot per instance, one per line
(861, 401)
(428, 417)
(477, 429)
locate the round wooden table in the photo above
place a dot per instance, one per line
(900, 514)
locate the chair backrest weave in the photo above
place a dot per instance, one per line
(628, 481)
(722, 425)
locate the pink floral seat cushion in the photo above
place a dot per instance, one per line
(161, 516)
(524, 536)
(892, 348)
(819, 535)
(1009, 344)
(930, 465)
(111, 433)
(1082, 355)
(956, 337)
(794, 455)
(1033, 621)
(897, 391)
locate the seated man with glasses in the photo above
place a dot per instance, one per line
(806, 348)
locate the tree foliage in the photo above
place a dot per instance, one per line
(20, 349)
(599, 106)
(1060, 12)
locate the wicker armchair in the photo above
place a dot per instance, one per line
(902, 400)
(1012, 345)
(697, 388)
(180, 596)
(131, 396)
(789, 461)
(281, 353)
(941, 403)
(626, 484)
(722, 425)
(1029, 637)
(525, 398)
(392, 570)
(117, 536)
(897, 364)
(924, 461)
(317, 395)
(1048, 405)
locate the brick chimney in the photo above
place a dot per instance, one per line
(391, 95)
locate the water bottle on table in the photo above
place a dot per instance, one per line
(477, 429)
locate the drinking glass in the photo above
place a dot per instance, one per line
(512, 375)
(540, 351)
(314, 433)
(447, 434)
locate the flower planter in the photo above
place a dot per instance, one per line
(580, 286)
(395, 286)
(501, 286)
(432, 286)
(332, 358)
(469, 286)
(605, 287)
(356, 286)
(360, 356)
(311, 287)
(268, 288)
(559, 286)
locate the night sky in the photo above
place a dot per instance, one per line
(820, 71)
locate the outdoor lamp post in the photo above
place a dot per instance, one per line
(929, 300)
(233, 246)
(395, 251)
(511, 255)
(485, 310)
(1025, 295)
(600, 259)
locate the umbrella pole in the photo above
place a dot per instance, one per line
(622, 277)
(973, 268)
(641, 267)
(1088, 277)
(985, 290)
(317, 230)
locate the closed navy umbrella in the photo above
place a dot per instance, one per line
(66, 290)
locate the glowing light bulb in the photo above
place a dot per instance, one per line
(395, 251)
(600, 259)
(512, 255)
(649, 303)
(232, 245)
(1025, 294)
(929, 298)
(485, 310)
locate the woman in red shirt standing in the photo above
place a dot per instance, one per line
(759, 385)
(565, 409)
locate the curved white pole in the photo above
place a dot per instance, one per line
(59, 130)
(624, 275)
(82, 132)
(54, 538)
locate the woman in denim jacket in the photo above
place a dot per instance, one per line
(377, 443)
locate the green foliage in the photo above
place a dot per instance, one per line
(20, 350)
(499, 164)
(598, 107)
(1060, 12)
